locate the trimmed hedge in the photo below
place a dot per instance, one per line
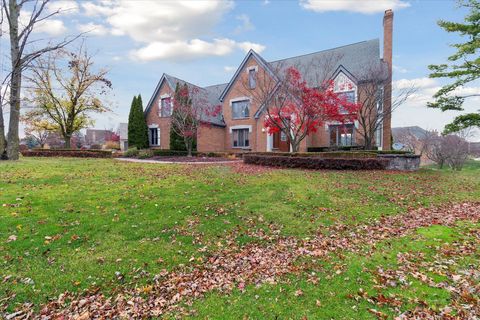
(317, 163)
(392, 152)
(335, 148)
(332, 154)
(62, 150)
(76, 153)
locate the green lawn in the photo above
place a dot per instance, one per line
(77, 224)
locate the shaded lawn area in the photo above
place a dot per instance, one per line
(76, 224)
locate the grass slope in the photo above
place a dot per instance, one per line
(73, 224)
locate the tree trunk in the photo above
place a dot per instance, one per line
(15, 83)
(3, 142)
(295, 145)
(13, 140)
(189, 146)
(67, 141)
(368, 143)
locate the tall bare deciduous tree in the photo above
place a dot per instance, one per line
(67, 89)
(372, 96)
(22, 54)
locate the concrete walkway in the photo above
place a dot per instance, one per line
(176, 162)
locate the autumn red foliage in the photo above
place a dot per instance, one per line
(298, 109)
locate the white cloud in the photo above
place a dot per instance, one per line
(64, 7)
(399, 69)
(419, 83)
(50, 26)
(415, 112)
(93, 29)
(177, 30)
(229, 69)
(53, 27)
(360, 6)
(246, 25)
(148, 21)
(246, 46)
(92, 10)
(186, 50)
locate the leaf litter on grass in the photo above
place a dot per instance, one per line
(236, 266)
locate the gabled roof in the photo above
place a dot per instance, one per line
(211, 94)
(355, 57)
(416, 131)
(355, 60)
(260, 60)
(157, 89)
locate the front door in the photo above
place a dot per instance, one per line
(281, 142)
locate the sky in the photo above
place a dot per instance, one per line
(203, 42)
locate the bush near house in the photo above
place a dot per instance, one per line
(333, 154)
(317, 163)
(67, 153)
(115, 145)
(131, 152)
(335, 148)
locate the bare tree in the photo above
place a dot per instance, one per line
(450, 149)
(417, 143)
(66, 89)
(189, 111)
(376, 102)
(22, 54)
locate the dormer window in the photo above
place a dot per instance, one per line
(252, 78)
(165, 107)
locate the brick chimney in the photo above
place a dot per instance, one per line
(387, 94)
(387, 37)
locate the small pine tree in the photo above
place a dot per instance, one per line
(137, 127)
(142, 124)
(131, 123)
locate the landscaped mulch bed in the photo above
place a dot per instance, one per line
(237, 266)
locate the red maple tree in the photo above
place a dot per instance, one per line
(191, 109)
(297, 109)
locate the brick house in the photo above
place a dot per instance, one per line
(239, 127)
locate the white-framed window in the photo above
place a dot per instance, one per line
(252, 78)
(165, 107)
(283, 136)
(240, 109)
(154, 136)
(240, 138)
